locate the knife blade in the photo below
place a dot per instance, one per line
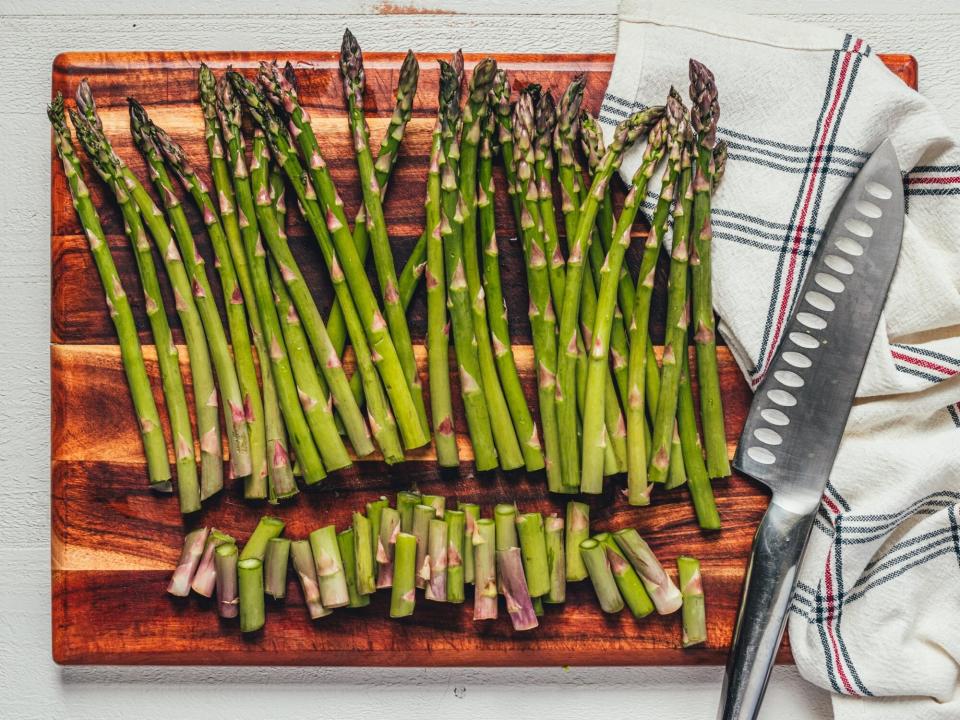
(793, 431)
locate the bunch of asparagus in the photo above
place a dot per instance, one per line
(423, 544)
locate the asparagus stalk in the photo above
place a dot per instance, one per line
(351, 69)
(456, 523)
(694, 615)
(157, 146)
(131, 354)
(193, 327)
(519, 607)
(578, 530)
(107, 165)
(642, 367)
(471, 513)
(193, 544)
(677, 472)
(228, 593)
(598, 566)
(533, 549)
(308, 456)
(403, 596)
(436, 561)
(704, 113)
(422, 515)
(437, 502)
(275, 565)
(374, 513)
(317, 406)
(363, 554)
(662, 429)
(205, 578)
(406, 502)
(386, 546)
(250, 581)
(413, 270)
(346, 542)
(267, 528)
(458, 297)
(303, 565)
(381, 424)
(542, 316)
(483, 543)
(503, 114)
(556, 559)
(341, 254)
(330, 571)
(661, 589)
(438, 337)
(593, 416)
(496, 307)
(383, 168)
(628, 582)
(545, 124)
(505, 519)
(229, 171)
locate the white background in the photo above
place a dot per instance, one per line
(32, 32)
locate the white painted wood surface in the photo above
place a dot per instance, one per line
(32, 32)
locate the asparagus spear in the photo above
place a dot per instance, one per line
(406, 502)
(471, 513)
(694, 615)
(533, 549)
(386, 546)
(228, 168)
(422, 515)
(107, 164)
(545, 124)
(704, 113)
(542, 317)
(341, 254)
(458, 299)
(330, 569)
(496, 308)
(267, 528)
(228, 593)
(346, 543)
(665, 595)
(677, 472)
(625, 135)
(205, 578)
(131, 354)
(383, 167)
(436, 561)
(403, 596)
(303, 565)
(593, 417)
(483, 543)
(152, 141)
(364, 554)
(503, 114)
(505, 519)
(374, 513)
(519, 607)
(643, 370)
(456, 523)
(676, 326)
(193, 544)
(578, 530)
(351, 68)
(275, 564)
(250, 581)
(598, 566)
(628, 582)
(234, 416)
(556, 559)
(438, 338)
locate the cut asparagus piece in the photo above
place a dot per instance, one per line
(303, 565)
(131, 354)
(275, 565)
(268, 527)
(374, 513)
(471, 513)
(505, 517)
(330, 574)
(403, 596)
(250, 583)
(422, 515)
(193, 544)
(519, 607)
(406, 502)
(578, 530)
(665, 595)
(598, 566)
(456, 522)
(483, 542)
(694, 614)
(364, 554)
(205, 578)
(386, 542)
(346, 542)
(228, 592)
(533, 550)
(437, 502)
(436, 561)
(556, 559)
(628, 582)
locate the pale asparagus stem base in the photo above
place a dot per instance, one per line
(422, 515)
(519, 607)
(471, 513)
(267, 528)
(533, 551)
(363, 553)
(250, 583)
(193, 544)
(436, 561)
(578, 530)
(346, 543)
(483, 543)
(403, 596)
(604, 585)
(205, 578)
(694, 612)
(505, 524)
(456, 557)
(628, 582)
(556, 559)
(303, 565)
(275, 564)
(386, 546)
(661, 588)
(228, 591)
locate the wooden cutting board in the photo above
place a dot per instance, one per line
(114, 542)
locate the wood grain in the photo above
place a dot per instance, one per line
(114, 542)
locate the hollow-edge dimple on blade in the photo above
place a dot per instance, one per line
(800, 409)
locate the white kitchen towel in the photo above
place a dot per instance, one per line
(877, 612)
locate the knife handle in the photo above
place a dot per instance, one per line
(768, 592)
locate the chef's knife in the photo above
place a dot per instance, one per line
(791, 436)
